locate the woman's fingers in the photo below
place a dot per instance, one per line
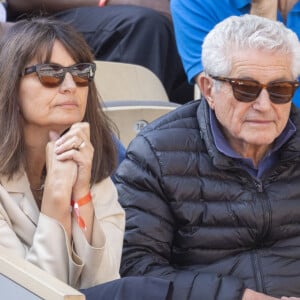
(77, 136)
(75, 145)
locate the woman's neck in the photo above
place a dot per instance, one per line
(35, 163)
(35, 155)
(35, 167)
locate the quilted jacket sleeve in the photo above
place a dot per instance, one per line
(150, 228)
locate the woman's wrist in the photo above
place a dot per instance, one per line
(76, 204)
(82, 200)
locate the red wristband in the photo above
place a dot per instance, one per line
(102, 3)
(76, 204)
(82, 201)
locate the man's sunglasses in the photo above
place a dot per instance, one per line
(52, 75)
(247, 90)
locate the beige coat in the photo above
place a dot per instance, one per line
(43, 241)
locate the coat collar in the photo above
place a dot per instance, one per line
(289, 151)
(19, 189)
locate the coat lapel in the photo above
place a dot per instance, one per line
(19, 190)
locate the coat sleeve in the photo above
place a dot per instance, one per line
(44, 242)
(150, 228)
(102, 258)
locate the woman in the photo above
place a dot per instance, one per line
(51, 122)
(128, 31)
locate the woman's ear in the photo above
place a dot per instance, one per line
(205, 84)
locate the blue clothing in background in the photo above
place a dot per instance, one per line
(121, 150)
(121, 153)
(193, 19)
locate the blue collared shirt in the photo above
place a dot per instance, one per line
(268, 160)
(193, 19)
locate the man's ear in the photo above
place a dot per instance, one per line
(205, 84)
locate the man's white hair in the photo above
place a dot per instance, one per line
(247, 32)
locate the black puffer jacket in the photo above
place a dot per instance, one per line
(195, 217)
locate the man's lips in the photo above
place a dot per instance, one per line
(262, 122)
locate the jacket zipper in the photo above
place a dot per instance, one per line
(267, 220)
(255, 257)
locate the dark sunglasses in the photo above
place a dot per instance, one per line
(52, 75)
(247, 90)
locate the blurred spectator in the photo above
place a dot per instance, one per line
(193, 19)
(125, 33)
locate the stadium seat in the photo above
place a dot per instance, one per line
(120, 81)
(20, 279)
(131, 117)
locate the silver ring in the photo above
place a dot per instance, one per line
(77, 148)
(82, 144)
(74, 146)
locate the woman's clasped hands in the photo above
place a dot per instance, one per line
(75, 145)
(69, 162)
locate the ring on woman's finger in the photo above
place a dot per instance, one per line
(77, 148)
(81, 145)
(74, 146)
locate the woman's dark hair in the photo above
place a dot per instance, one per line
(34, 39)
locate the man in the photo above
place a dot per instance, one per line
(193, 19)
(211, 190)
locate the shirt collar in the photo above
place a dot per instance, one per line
(224, 147)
